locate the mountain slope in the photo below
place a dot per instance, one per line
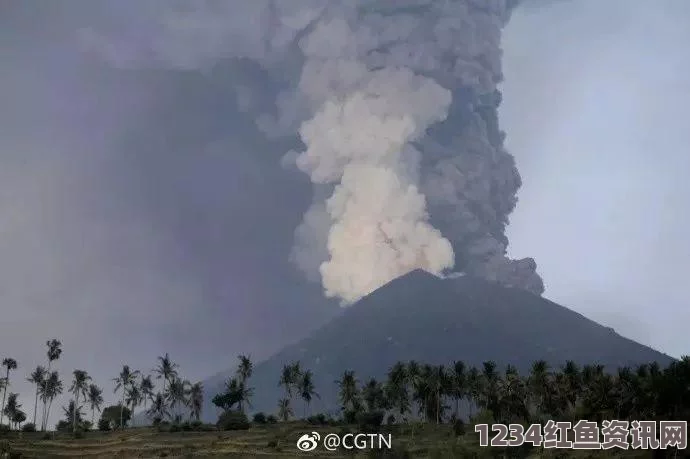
(421, 317)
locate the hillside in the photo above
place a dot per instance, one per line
(422, 317)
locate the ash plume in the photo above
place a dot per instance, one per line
(394, 108)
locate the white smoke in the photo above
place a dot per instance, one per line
(358, 140)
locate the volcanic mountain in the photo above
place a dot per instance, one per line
(432, 320)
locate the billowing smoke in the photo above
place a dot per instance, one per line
(395, 105)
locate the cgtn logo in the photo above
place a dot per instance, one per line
(308, 441)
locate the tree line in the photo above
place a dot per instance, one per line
(411, 391)
(174, 398)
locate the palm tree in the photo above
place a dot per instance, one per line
(80, 386)
(284, 409)
(349, 392)
(287, 380)
(474, 387)
(13, 408)
(166, 369)
(51, 389)
(459, 385)
(125, 380)
(37, 377)
(176, 394)
(306, 389)
(422, 389)
(54, 352)
(159, 408)
(9, 364)
(538, 382)
(146, 388)
(373, 394)
(245, 368)
(73, 413)
(134, 398)
(397, 390)
(95, 399)
(196, 400)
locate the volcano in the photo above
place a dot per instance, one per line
(431, 320)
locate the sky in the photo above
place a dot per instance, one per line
(136, 217)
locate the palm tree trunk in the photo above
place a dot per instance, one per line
(50, 404)
(36, 404)
(4, 393)
(122, 406)
(44, 421)
(93, 412)
(74, 415)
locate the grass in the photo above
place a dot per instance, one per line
(269, 441)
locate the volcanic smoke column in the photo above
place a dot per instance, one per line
(468, 179)
(358, 141)
(395, 105)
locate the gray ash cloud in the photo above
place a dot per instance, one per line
(392, 106)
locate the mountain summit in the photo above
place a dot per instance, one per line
(422, 317)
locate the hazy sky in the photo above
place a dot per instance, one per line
(137, 217)
(596, 96)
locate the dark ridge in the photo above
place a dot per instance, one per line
(431, 320)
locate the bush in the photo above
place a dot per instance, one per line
(197, 425)
(187, 427)
(29, 427)
(233, 420)
(390, 420)
(103, 425)
(260, 418)
(271, 419)
(174, 428)
(459, 428)
(370, 421)
(319, 419)
(4, 428)
(78, 434)
(350, 416)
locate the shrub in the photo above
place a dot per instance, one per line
(390, 420)
(4, 428)
(271, 419)
(233, 420)
(260, 418)
(197, 425)
(29, 427)
(186, 427)
(103, 425)
(459, 427)
(174, 428)
(319, 419)
(350, 416)
(78, 434)
(370, 421)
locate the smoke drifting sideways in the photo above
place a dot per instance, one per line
(394, 107)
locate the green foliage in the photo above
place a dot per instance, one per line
(271, 419)
(111, 414)
(233, 420)
(104, 425)
(350, 416)
(370, 421)
(29, 427)
(318, 420)
(459, 428)
(259, 418)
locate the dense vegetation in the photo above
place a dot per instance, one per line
(412, 393)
